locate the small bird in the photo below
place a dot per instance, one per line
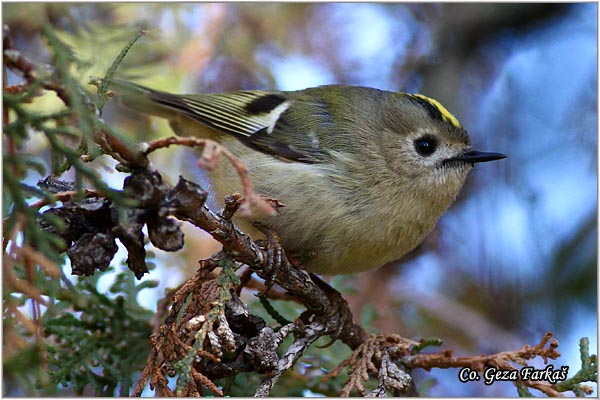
(364, 174)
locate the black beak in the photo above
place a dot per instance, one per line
(473, 157)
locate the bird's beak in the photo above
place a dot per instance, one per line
(473, 157)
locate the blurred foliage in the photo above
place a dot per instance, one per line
(498, 277)
(102, 340)
(76, 336)
(588, 371)
(93, 342)
(68, 133)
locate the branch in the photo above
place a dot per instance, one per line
(211, 151)
(30, 71)
(154, 203)
(500, 360)
(311, 334)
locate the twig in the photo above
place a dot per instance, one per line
(311, 333)
(393, 380)
(546, 349)
(103, 85)
(24, 67)
(320, 299)
(26, 252)
(66, 196)
(501, 360)
(210, 156)
(365, 358)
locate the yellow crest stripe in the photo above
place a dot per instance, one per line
(446, 115)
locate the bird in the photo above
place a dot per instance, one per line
(364, 174)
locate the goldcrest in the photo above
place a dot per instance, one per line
(364, 174)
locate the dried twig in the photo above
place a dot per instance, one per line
(310, 334)
(501, 360)
(546, 349)
(366, 358)
(210, 156)
(66, 196)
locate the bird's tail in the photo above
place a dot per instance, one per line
(141, 98)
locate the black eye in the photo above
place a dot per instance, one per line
(426, 146)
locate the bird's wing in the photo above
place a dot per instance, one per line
(268, 121)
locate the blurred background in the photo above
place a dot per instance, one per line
(513, 258)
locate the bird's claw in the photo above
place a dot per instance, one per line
(275, 254)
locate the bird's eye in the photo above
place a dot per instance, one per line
(426, 146)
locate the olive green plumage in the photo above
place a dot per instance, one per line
(365, 174)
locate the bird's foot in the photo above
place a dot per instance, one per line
(275, 254)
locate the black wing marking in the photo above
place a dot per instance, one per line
(259, 119)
